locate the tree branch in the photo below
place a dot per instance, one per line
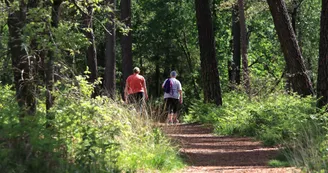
(81, 10)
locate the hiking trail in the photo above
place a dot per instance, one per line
(207, 153)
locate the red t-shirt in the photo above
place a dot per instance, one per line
(135, 83)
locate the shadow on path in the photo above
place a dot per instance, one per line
(206, 152)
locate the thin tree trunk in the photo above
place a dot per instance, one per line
(50, 64)
(91, 50)
(299, 78)
(5, 78)
(244, 43)
(126, 41)
(110, 59)
(209, 69)
(322, 88)
(23, 79)
(184, 46)
(235, 65)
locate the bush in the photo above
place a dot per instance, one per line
(272, 118)
(79, 134)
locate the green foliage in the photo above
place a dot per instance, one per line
(271, 119)
(80, 134)
(288, 120)
(278, 163)
(309, 148)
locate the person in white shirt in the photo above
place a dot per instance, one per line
(173, 97)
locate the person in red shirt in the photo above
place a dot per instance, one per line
(135, 88)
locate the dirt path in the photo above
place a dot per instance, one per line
(206, 152)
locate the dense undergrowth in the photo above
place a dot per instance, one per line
(80, 134)
(278, 119)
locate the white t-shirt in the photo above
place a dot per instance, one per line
(176, 87)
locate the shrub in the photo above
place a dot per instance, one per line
(271, 118)
(80, 134)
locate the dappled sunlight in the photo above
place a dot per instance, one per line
(206, 152)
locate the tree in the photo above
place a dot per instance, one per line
(110, 60)
(244, 43)
(235, 64)
(21, 61)
(91, 51)
(126, 41)
(50, 78)
(296, 70)
(322, 86)
(209, 70)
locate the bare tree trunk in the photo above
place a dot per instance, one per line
(110, 59)
(21, 62)
(296, 70)
(322, 88)
(244, 43)
(209, 69)
(126, 41)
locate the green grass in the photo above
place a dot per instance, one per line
(278, 163)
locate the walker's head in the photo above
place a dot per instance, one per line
(136, 70)
(173, 74)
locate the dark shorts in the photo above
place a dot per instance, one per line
(136, 97)
(172, 105)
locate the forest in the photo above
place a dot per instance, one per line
(249, 68)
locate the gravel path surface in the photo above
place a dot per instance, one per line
(207, 153)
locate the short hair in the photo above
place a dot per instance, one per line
(136, 70)
(173, 73)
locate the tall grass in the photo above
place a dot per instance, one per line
(80, 134)
(309, 148)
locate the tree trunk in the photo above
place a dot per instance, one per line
(91, 50)
(244, 43)
(214, 17)
(186, 51)
(322, 88)
(299, 79)
(126, 41)
(209, 69)
(110, 59)
(50, 64)
(21, 62)
(294, 15)
(236, 61)
(5, 78)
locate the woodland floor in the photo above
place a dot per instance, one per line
(207, 153)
